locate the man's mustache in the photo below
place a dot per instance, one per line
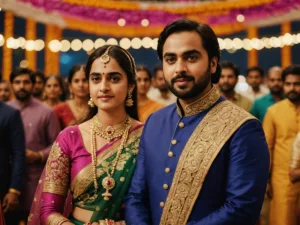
(182, 76)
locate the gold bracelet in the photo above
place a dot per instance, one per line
(41, 156)
(12, 190)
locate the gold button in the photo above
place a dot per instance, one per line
(174, 142)
(122, 179)
(167, 170)
(181, 125)
(166, 187)
(162, 204)
(170, 154)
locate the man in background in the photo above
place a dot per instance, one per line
(255, 78)
(275, 84)
(161, 93)
(227, 83)
(4, 90)
(41, 129)
(39, 85)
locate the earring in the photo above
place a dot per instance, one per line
(91, 103)
(129, 101)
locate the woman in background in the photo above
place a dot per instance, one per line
(146, 106)
(76, 109)
(53, 90)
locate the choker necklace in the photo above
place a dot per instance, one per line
(108, 182)
(110, 132)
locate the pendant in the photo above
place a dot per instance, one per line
(108, 183)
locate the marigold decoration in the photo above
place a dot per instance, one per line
(30, 56)
(286, 55)
(7, 52)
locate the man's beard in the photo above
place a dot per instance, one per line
(276, 91)
(293, 96)
(195, 90)
(228, 89)
(22, 95)
(37, 93)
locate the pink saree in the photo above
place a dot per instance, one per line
(67, 179)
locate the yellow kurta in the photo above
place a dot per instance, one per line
(146, 110)
(281, 125)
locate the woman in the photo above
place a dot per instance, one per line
(95, 159)
(53, 90)
(145, 106)
(76, 109)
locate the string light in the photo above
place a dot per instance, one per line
(230, 45)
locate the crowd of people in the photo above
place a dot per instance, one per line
(75, 149)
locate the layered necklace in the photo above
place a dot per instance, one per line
(109, 133)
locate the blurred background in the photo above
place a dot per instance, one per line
(53, 35)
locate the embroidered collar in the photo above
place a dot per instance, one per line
(199, 105)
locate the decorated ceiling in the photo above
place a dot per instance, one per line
(147, 18)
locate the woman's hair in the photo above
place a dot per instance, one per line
(126, 62)
(144, 68)
(60, 82)
(73, 70)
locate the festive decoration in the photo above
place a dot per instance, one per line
(52, 58)
(252, 54)
(30, 54)
(286, 55)
(158, 14)
(183, 7)
(7, 52)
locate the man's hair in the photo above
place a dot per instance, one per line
(209, 39)
(255, 68)
(20, 71)
(293, 69)
(41, 75)
(230, 65)
(156, 69)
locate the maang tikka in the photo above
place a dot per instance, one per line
(105, 58)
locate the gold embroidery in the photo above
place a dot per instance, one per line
(201, 104)
(198, 155)
(57, 172)
(84, 178)
(56, 219)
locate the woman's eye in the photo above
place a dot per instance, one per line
(95, 79)
(114, 79)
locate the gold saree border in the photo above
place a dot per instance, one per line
(84, 178)
(197, 157)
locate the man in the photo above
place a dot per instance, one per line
(275, 84)
(39, 85)
(4, 91)
(227, 83)
(210, 156)
(255, 78)
(281, 125)
(41, 128)
(161, 93)
(12, 160)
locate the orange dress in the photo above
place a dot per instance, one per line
(147, 109)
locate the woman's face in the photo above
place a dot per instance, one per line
(143, 82)
(79, 85)
(108, 85)
(52, 89)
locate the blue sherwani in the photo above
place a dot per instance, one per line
(233, 189)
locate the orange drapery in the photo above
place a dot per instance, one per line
(52, 58)
(30, 56)
(252, 54)
(286, 56)
(7, 52)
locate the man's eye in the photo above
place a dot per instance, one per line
(192, 57)
(170, 60)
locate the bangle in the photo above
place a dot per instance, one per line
(12, 190)
(41, 156)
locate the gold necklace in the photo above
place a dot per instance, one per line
(108, 182)
(110, 132)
